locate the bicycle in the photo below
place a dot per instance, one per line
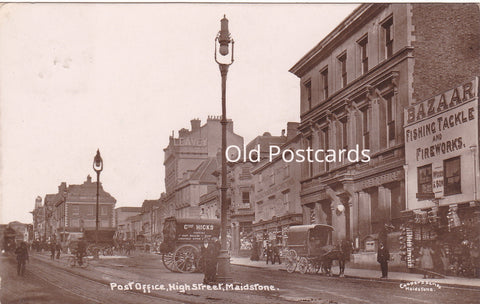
(75, 260)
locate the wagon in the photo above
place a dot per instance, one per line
(309, 248)
(182, 239)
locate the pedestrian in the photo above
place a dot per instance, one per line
(209, 252)
(22, 257)
(255, 255)
(58, 248)
(81, 251)
(52, 249)
(426, 260)
(276, 254)
(270, 253)
(383, 256)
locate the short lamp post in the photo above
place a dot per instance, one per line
(98, 167)
(223, 39)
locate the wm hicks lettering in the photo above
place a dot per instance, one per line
(440, 115)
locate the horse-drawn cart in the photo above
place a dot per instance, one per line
(182, 238)
(310, 248)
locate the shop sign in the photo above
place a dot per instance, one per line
(409, 247)
(437, 180)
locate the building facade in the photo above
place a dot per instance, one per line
(276, 191)
(189, 163)
(355, 85)
(442, 173)
(75, 208)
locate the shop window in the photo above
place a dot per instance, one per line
(424, 174)
(324, 74)
(452, 181)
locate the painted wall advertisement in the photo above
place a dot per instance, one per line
(437, 129)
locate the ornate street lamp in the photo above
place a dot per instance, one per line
(98, 167)
(223, 39)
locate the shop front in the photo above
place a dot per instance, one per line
(441, 228)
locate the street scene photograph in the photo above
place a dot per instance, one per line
(241, 153)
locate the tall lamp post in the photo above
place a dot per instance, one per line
(98, 167)
(223, 39)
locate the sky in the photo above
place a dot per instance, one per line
(75, 78)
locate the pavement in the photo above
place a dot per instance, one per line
(370, 274)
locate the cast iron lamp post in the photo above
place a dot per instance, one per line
(98, 167)
(223, 38)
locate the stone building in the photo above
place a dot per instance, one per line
(355, 84)
(189, 161)
(75, 208)
(276, 188)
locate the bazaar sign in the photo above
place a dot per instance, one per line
(442, 125)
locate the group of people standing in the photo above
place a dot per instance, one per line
(55, 249)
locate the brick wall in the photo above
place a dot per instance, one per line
(446, 46)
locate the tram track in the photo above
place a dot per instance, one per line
(87, 288)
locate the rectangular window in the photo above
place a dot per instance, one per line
(103, 210)
(452, 181)
(76, 210)
(308, 94)
(344, 134)
(388, 34)
(286, 197)
(325, 83)
(365, 128)
(326, 146)
(390, 119)
(309, 164)
(424, 177)
(245, 199)
(343, 69)
(363, 54)
(90, 210)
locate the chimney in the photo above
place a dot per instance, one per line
(195, 123)
(292, 129)
(183, 132)
(89, 179)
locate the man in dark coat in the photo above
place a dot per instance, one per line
(210, 251)
(81, 251)
(22, 257)
(270, 253)
(53, 246)
(383, 256)
(58, 248)
(276, 254)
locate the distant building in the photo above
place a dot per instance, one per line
(75, 208)
(121, 216)
(189, 162)
(276, 190)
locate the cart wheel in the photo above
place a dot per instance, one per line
(185, 258)
(168, 261)
(317, 266)
(291, 260)
(303, 265)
